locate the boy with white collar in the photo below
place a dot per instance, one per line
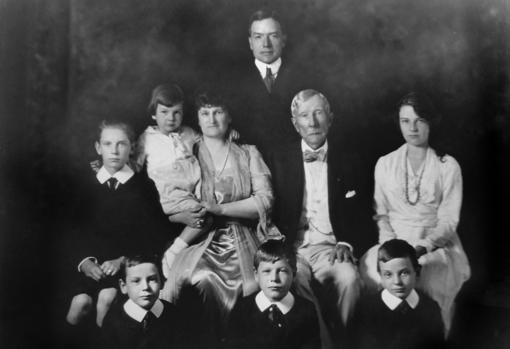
(398, 316)
(143, 321)
(117, 214)
(274, 317)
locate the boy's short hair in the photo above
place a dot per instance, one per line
(167, 95)
(274, 250)
(397, 248)
(131, 261)
(128, 130)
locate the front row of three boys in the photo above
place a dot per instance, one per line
(397, 317)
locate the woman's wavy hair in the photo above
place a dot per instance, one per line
(211, 97)
(425, 109)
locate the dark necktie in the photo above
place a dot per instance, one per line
(311, 156)
(112, 183)
(403, 308)
(275, 316)
(269, 79)
(148, 321)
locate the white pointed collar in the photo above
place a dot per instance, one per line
(123, 175)
(138, 313)
(392, 301)
(285, 305)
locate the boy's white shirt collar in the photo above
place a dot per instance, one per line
(305, 146)
(262, 67)
(285, 305)
(138, 313)
(123, 175)
(392, 301)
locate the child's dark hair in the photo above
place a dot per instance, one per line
(131, 261)
(128, 130)
(167, 95)
(274, 250)
(397, 248)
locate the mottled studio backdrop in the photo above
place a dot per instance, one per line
(66, 64)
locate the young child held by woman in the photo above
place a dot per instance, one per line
(166, 150)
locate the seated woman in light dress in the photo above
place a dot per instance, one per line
(235, 189)
(418, 196)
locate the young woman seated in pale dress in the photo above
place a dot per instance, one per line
(418, 196)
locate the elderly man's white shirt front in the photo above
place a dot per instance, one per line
(314, 224)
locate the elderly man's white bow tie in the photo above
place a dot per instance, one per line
(311, 156)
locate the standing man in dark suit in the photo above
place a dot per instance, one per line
(317, 204)
(264, 89)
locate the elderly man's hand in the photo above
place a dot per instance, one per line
(341, 253)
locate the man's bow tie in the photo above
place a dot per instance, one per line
(311, 156)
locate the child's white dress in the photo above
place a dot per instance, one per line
(172, 167)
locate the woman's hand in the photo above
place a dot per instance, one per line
(420, 251)
(192, 218)
(233, 135)
(384, 225)
(96, 165)
(213, 208)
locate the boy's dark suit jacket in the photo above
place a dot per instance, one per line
(108, 224)
(349, 200)
(120, 331)
(263, 118)
(126, 221)
(250, 328)
(374, 325)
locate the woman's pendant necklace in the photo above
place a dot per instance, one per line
(417, 186)
(217, 174)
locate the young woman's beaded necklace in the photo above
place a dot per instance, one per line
(417, 187)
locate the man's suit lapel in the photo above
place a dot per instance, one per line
(280, 81)
(260, 87)
(296, 180)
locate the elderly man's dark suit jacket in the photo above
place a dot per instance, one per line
(263, 118)
(349, 200)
